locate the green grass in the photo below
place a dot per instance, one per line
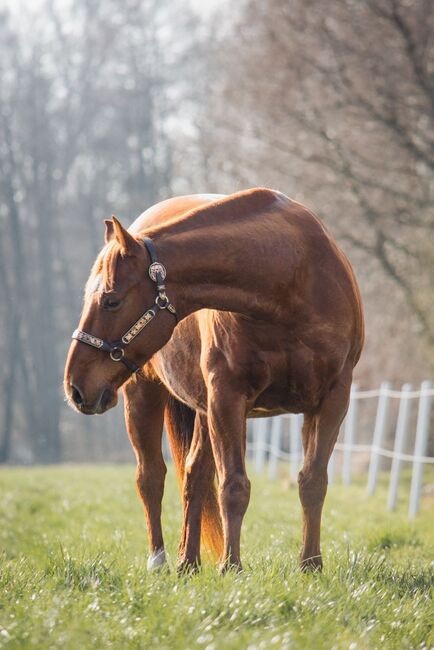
(73, 570)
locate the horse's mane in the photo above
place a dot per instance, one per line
(243, 204)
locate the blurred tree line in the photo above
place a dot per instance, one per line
(109, 107)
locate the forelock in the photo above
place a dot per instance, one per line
(102, 275)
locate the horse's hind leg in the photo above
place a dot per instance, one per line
(144, 404)
(320, 432)
(199, 472)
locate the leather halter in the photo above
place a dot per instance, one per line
(116, 349)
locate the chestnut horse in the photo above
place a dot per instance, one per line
(260, 314)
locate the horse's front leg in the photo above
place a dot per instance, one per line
(227, 428)
(144, 404)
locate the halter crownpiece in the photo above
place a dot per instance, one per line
(116, 349)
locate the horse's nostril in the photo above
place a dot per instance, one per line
(76, 395)
(106, 398)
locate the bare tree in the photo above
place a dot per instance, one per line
(86, 97)
(335, 101)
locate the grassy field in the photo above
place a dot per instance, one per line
(73, 571)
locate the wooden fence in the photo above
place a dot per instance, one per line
(395, 429)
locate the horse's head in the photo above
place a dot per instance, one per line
(118, 292)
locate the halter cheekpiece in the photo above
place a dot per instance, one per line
(116, 350)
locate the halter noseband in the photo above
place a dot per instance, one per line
(116, 350)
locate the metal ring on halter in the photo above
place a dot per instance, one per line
(117, 354)
(162, 301)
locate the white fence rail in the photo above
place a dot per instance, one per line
(271, 440)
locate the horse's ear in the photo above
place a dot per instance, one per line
(126, 241)
(109, 230)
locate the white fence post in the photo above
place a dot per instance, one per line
(423, 421)
(295, 446)
(261, 431)
(349, 435)
(379, 431)
(399, 447)
(331, 468)
(276, 431)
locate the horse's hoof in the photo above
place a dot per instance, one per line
(157, 560)
(187, 567)
(311, 564)
(230, 567)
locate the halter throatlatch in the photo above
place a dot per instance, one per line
(116, 349)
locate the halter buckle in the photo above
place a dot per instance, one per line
(117, 354)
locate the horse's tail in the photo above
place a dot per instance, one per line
(179, 420)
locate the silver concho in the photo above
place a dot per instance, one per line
(156, 267)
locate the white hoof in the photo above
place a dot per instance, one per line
(156, 560)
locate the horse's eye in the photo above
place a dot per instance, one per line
(112, 303)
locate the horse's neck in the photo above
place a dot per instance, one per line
(215, 265)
